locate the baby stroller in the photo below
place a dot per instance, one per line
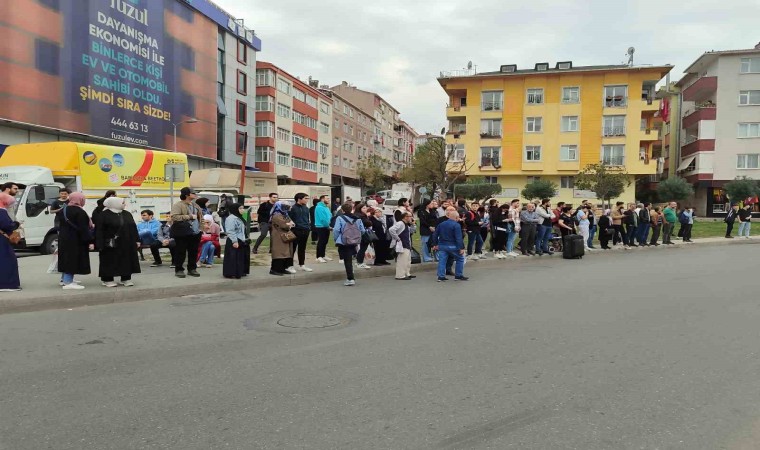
(555, 242)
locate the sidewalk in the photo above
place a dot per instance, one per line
(41, 290)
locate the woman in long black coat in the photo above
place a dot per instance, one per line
(74, 241)
(121, 259)
(382, 244)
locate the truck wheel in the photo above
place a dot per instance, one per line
(50, 244)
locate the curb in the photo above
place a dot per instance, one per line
(123, 295)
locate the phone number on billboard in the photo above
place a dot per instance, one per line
(135, 126)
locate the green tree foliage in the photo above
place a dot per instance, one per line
(674, 189)
(370, 171)
(539, 189)
(606, 182)
(741, 188)
(476, 189)
(433, 166)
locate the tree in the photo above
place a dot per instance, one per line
(476, 188)
(539, 189)
(436, 167)
(674, 189)
(370, 172)
(606, 182)
(741, 189)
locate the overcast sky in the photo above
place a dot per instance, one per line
(398, 47)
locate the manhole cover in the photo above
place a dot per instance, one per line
(309, 321)
(300, 321)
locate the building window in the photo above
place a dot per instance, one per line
(568, 153)
(615, 96)
(324, 149)
(455, 152)
(749, 130)
(312, 101)
(265, 129)
(283, 134)
(490, 128)
(283, 159)
(750, 65)
(324, 127)
(242, 52)
(299, 95)
(242, 82)
(613, 126)
(535, 96)
(283, 111)
(241, 139)
(530, 180)
(571, 94)
(613, 155)
(533, 153)
(492, 180)
(533, 124)
(283, 86)
(47, 57)
(263, 154)
(336, 160)
(336, 142)
(324, 107)
(304, 120)
(242, 113)
(493, 100)
(264, 103)
(264, 77)
(749, 97)
(748, 161)
(567, 182)
(324, 168)
(490, 156)
(569, 123)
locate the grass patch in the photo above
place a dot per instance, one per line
(708, 229)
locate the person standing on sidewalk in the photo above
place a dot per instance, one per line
(186, 231)
(74, 241)
(644, 224)
(361, 210)
(282, 250)
(235, 250)
(581, 217)
(450, 245)
(9, 277)
(382, 244)
(688, 214)
(730, 219)
(605, 229)
(118, 241)
(544, 233)
(402, 240)
(299, 214)
(631, 224)
(592, 225)
(263, 215)
(745, 221)
(617, 216)
(472, 223)
(655, 219)
(513, 222)
(347, 234)
(322, 218)
(669, 222)
(428, 216)
(528, 222)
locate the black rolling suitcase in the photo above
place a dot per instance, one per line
(572, 246)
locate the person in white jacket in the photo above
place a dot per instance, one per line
(544, 234)
(401, 234)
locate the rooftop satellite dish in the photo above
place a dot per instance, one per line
(469, 65)
(631, 50)
(630, 55)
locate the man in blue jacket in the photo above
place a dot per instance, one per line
(450, 244)
(148, 227)
(322, 217)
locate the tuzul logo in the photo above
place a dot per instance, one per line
(124, 7)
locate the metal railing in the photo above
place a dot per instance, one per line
(490, 161)
(457, 73)
(615, 102)
(613, 131)
(493, 106)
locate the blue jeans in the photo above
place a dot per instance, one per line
(474, 239)
(643, 233)
(67, 278)
(591, 234)
(146, 238)
(511, 239)
(744, 228)
(426, 256)
(207, 253)
(630, 233)
(446, 253)
(543, 234)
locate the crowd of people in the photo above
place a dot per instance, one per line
(451, 232)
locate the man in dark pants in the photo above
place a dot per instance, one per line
(186, 231)
(730, 219)
(299, 214)
(322, 218)
(313, 208)
(265, 209)
(529, 219)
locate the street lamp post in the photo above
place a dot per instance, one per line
(171, 182)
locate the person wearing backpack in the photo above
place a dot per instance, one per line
(402, 240)
(347, 235)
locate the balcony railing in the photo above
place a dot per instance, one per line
(614, 131)
(490, 134)
(613, 161)
(493, 106)
(490, 161)
(615, 102)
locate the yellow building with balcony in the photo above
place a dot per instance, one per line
(512, 126)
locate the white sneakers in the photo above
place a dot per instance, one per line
(306, 269)
(321, 260)
(500, 255)
(349, 283)
(108, 284)
(363, 266)
(72, 286)
(290, 269)
(473, 257)
(327, 258)
(128, 283)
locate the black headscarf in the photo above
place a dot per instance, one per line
(234, 209)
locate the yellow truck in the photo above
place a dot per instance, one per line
(139, 176)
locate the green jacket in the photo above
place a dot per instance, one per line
(670, 215)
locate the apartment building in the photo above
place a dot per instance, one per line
(719, 124)
(513, 126)
(386, 121)
(352, 138)
(404, 146)
(293, 127)
(423, 139)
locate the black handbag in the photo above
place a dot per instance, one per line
(181, 229)
(114, 241)
(369, 237)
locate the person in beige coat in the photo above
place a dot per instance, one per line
(282, 252)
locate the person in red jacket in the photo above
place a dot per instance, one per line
(209, 242)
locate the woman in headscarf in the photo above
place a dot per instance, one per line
(382, 244)
(282, 252)
(235, 249)
(209, 242)
(74, 241)
(116, 237)
(9, 279)
(605, 229)
(100, 207)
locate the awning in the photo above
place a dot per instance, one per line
(686, 163)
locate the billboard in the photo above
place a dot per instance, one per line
(119, 69)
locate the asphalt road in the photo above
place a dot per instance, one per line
(636, 350)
